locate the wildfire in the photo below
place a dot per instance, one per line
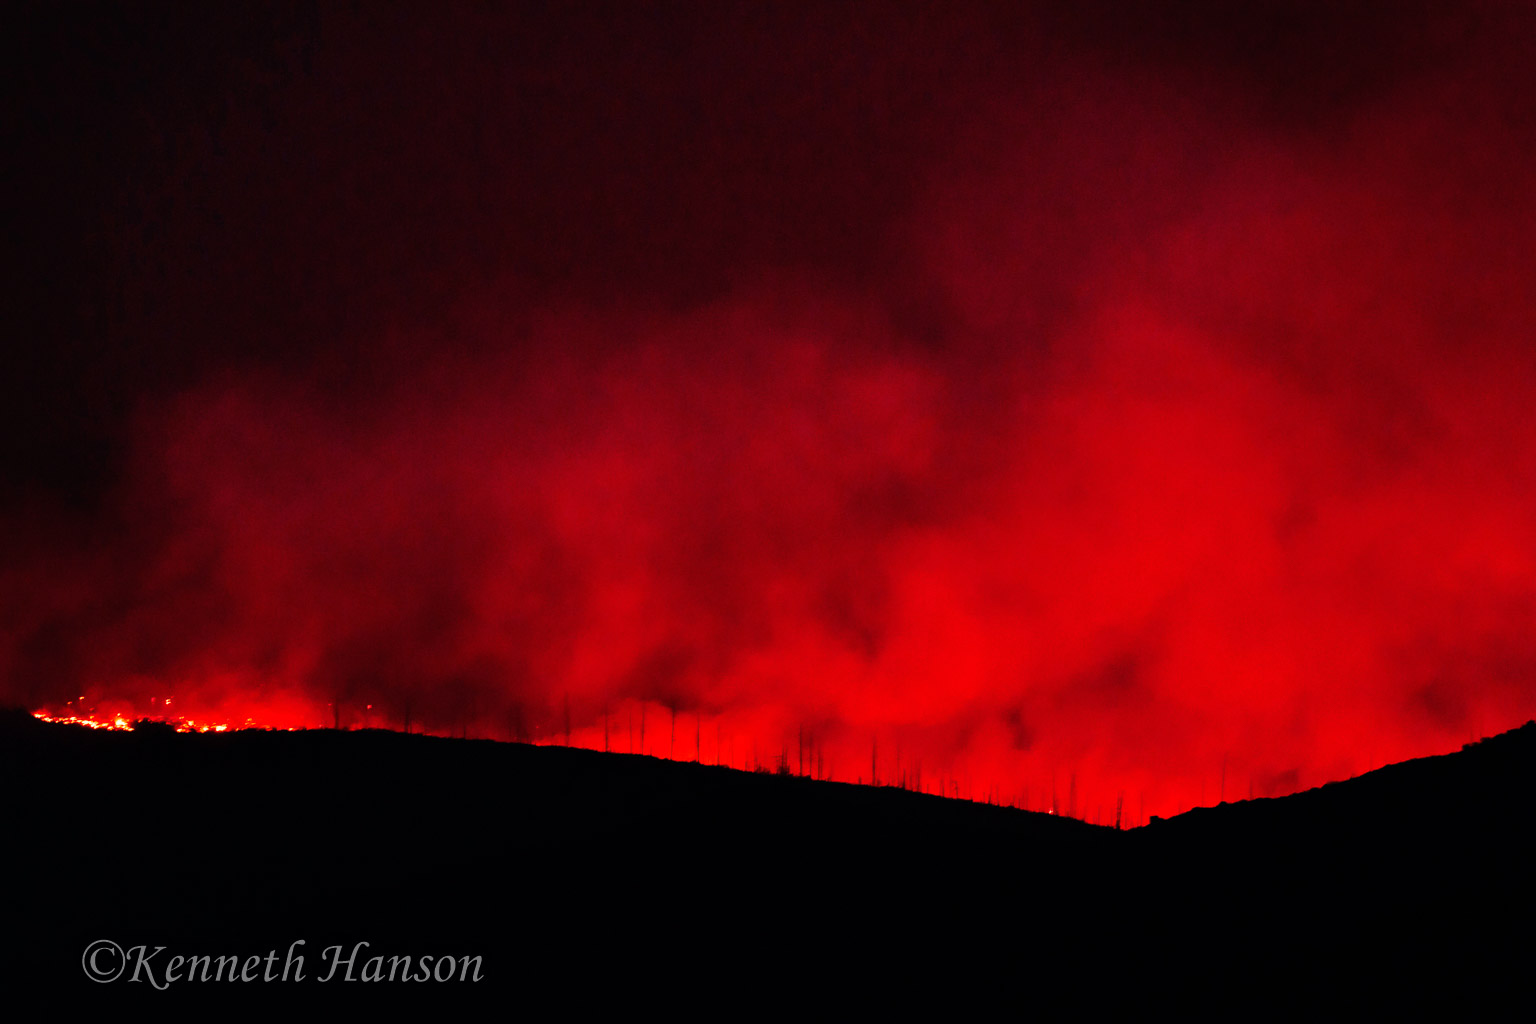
(92, 720)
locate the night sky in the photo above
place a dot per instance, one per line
(1074, 398)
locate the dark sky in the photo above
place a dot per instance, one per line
(1004, 379)
(198, 189)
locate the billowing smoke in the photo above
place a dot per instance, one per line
(1172, 444)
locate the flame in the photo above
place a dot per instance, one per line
(92, 720)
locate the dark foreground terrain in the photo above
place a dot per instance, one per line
(590, 882)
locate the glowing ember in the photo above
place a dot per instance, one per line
(91, 720)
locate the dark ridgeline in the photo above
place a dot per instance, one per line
(591, 881)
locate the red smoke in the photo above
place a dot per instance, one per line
(1182, 456)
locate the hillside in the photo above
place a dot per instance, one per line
(558, 866)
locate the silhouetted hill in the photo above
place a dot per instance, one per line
(586, 879)
(1411, 882)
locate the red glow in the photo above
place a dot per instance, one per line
(1179, 458)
